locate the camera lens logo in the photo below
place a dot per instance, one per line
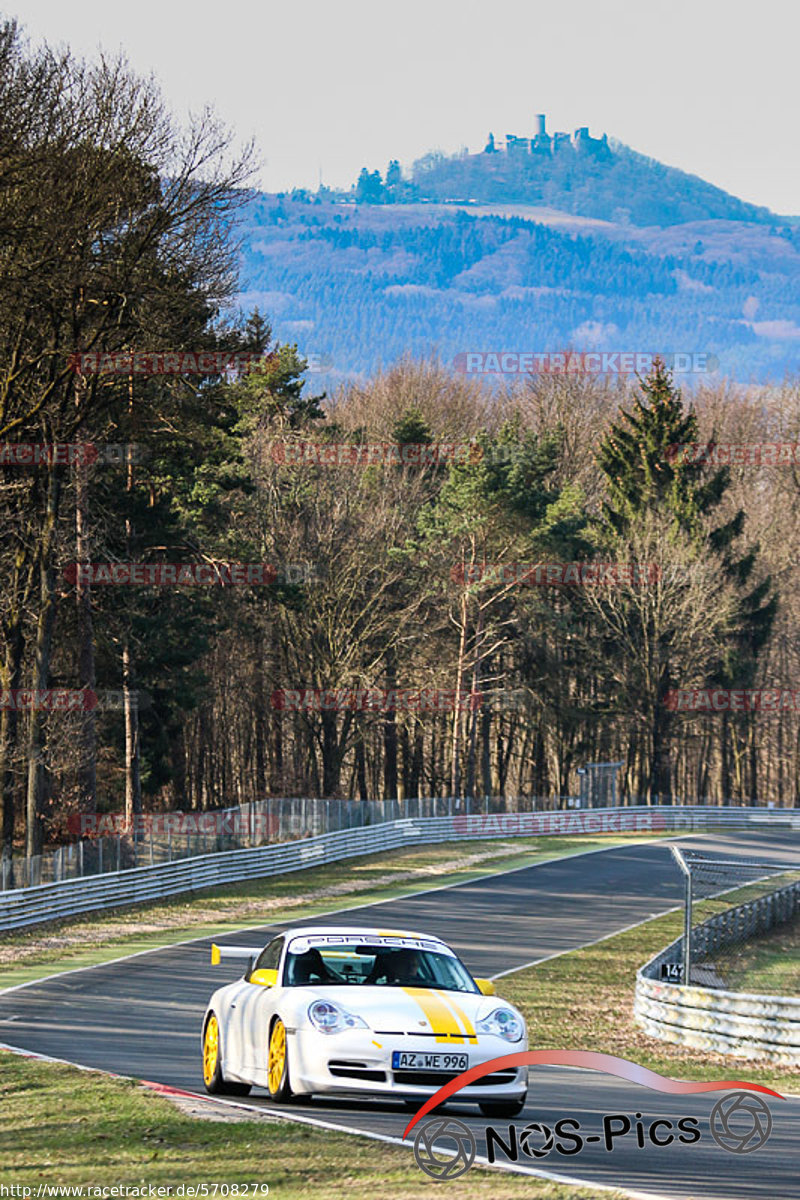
(533, 1134)
(441, 1163)
(740, 1122)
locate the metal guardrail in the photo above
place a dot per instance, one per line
(110, 843)
(53, 901)
(743, 1024)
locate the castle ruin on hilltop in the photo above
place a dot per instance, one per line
(544, 143)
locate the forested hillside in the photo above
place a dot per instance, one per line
(615, 185)
(362, 285)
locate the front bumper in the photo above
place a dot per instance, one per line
(361, 1061)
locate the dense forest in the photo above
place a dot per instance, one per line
(379, 572)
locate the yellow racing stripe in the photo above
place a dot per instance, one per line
(467, 1025)
(440, 1017)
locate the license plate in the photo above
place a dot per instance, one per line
(411, 1060)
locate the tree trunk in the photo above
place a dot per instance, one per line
(472, 758)
(133, 778)
(486, 751)
(87, 678)
(11, 679)
(9, 724)
(390, 735)
(361, 769)
(725, 762)
(455, 769)
(330, 754)
(41, 673)
(417, 762)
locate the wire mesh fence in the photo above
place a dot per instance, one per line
(741, 924)
(112, 844)
(106, 843)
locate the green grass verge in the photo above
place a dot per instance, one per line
(65, 1128)
(769, 964)
(584, 1001)
(27, 955)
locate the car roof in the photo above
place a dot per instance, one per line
(361, 930)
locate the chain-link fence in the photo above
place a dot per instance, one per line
(114, 845)
(741, 924)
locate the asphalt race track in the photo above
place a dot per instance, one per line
(141, 1016)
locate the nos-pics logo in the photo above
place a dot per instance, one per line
(456, 1149)
(444, 1148)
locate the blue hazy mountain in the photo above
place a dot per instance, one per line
(536, 245)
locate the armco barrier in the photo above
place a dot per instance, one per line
(52, 901)
(743, 1024)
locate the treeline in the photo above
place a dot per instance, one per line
(115, 237)
(615, 185)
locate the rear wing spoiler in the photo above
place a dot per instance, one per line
(243, 952)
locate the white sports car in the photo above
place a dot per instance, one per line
(348, 1010)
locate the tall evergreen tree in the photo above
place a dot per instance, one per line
(652, 469)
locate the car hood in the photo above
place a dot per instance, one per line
(411, 1010)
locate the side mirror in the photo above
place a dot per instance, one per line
(486, 987)
(266, 977)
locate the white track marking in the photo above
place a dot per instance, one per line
(585, 945)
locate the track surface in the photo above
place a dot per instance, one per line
(141, 1016)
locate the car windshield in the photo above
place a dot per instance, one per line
(376, 966)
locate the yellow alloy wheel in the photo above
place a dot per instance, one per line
(276, 1059)
(210, 1050)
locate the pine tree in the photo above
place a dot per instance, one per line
(653, 469)
(257, 333)
(394, 176)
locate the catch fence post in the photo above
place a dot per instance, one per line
(687, 915)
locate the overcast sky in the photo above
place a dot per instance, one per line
(333, 85)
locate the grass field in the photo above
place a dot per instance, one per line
(769, 964)
(69, 1128)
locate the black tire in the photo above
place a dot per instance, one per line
(215, 1082)
(503, 1108)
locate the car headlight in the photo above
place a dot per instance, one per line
(328, 1017)
(502, 1023)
